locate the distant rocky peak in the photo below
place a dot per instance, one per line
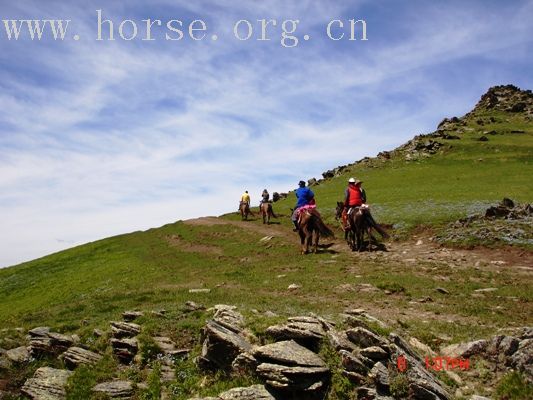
(507, 98)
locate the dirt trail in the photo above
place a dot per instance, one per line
(419, 248)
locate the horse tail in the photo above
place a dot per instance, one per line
(322, 227)
(271, 210)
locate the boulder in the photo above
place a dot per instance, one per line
(308, 334)
(522, 358)
(288, 367)
(221, 346)
(125, 349)
(229, 318)
(374, 353)
(380, 375)
(121, 329)
(45, 342)
(76, 356)
(129, 316)
(355, 363)
(288, 353)
(465, 350)
(47, 384)
(115, 389)
(19, 355)
(254, 392)
(340, 341)
(365, 338)
(294, 378)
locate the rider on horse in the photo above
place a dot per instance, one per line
(355, 197)
(265, 197)
(245, 199)
(305, 197)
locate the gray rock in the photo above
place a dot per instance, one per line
(522, 358)
(115, 389)
(229, 318)
(125, 349)
(380, 375)
(19, 355)
(191, 306)
(47, 384)
(374, 353)
(129, 316)
(355, 363)
(45, 342)
(121, 329)
(365, 338)
(508, 345)
(476, 397)
(221, 346)
(305, 333)
(293, 378)
(76, 356)
(165, 344)
(465, 350)
(255, 392)
(340, 341)
(288, 353)
(244, 363)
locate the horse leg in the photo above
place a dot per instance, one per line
(302, 239)
(316, 239)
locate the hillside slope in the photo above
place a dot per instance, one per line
(437, 294)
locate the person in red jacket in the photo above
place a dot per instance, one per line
(355, 196)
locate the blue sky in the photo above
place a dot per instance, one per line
(104, 137)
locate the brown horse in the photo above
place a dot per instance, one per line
(359, 221)
(267, 212)
(310, 227)
(244, 209)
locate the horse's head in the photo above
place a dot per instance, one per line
(339, 209)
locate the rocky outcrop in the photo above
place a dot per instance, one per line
(125, 349)
(115, 389)
(292, 369)
(18, 355)
(47, 384)
(124, 329)
(223, 339)
(254, 392)
(43, 342)
(306, 331)
(76, 356)
(129, 316)
(507, 98)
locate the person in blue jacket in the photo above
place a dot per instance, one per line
(305, 196)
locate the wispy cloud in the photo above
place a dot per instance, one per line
(100, 138)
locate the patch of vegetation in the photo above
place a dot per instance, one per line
(513, 386)
(341, 388)
(153, 391)
(85, 377)
(399, 384)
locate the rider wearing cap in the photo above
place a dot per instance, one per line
(355, 196)
(305, 196)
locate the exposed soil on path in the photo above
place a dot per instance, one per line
(417, 249)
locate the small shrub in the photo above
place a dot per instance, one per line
(399, 386)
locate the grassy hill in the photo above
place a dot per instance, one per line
(418, 188)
